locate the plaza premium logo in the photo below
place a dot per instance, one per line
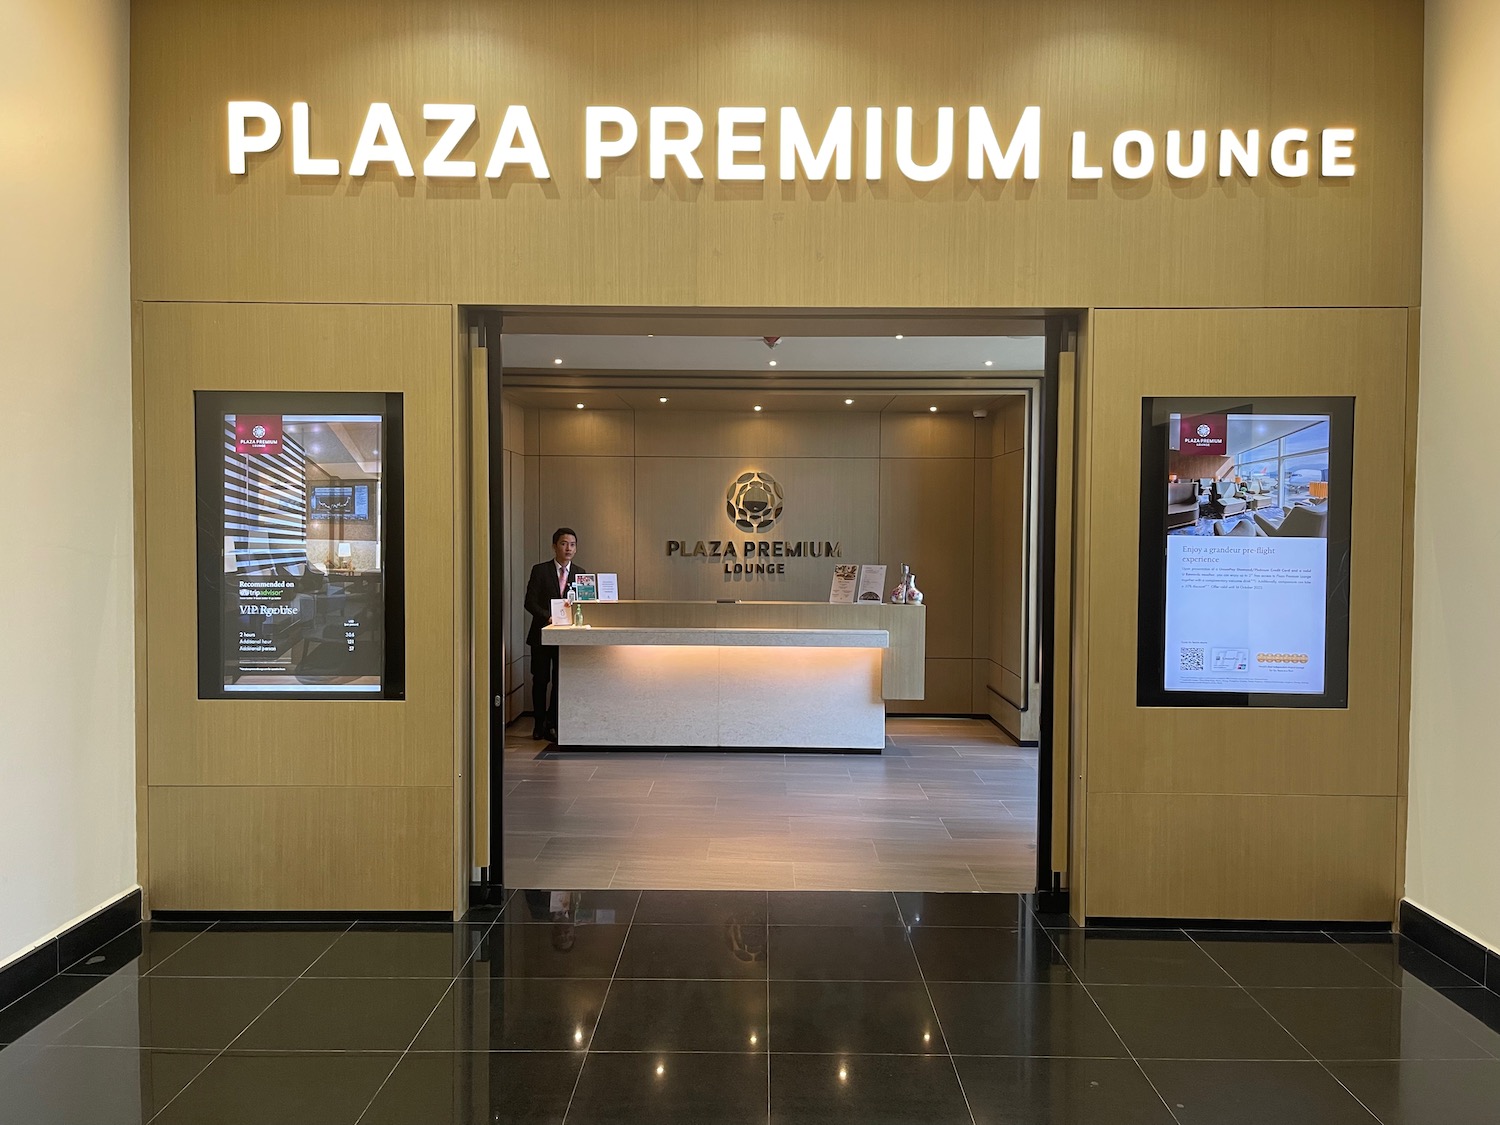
(753, 504)
(754, 501)
(1206, 434)
(258, 434)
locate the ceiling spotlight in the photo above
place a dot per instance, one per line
(899, 336)
(773, 363)
(558, 361)
(757, 410)
(580, 406)
(989, 363)
(660, 1070)
(661, 400)
(933, 409)
(848, 402)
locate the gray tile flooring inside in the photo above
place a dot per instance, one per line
(950, 805)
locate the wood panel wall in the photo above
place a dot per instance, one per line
(1259, 812)
(1102, 66)
(298, 804)
(1299, 284)
(893, 488)
(1005, 683)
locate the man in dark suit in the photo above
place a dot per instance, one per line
(549, 580)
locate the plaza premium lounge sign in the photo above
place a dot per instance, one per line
(739, 142)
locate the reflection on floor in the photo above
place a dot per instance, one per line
(949, 806)
(793, 1008)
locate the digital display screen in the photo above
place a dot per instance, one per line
(347, 501)
(1245, 553)
(299, 508)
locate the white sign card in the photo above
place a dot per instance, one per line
(845, 582)
(609, 587)
(872, 584)
(560, 614)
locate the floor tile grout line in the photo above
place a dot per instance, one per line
(469, 960)
(768, 1008)
(1094, 1000)
(225, 1049)
(1272, 1016)
(603, 1005)
(938, 1020)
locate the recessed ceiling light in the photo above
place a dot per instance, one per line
(989, 363)
(757, 410)
(580, 406)
(773, 363)
(899, 336)
(933, 409)
(558, 360)
(848, 402)
(661, 400)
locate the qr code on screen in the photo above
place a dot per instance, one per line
(1191, 658)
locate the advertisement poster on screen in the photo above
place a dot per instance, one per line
(298, 588)
(1252, 546)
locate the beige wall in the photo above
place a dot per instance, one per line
(300, 804)
(888, 488)
(1095, 65)
(1234, 812)
(1007, 680)
(67, 809)
(1453, 835)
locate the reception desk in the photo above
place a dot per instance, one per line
(704, 686)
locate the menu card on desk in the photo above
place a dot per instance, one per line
(845, 579)
(560, 615)
(609, 587)
(586, 588)
(871, 584)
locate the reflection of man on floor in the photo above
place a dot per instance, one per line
(549, 581)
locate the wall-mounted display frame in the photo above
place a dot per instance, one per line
(301, 554)
(1245, 552)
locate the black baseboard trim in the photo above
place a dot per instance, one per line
(339, 916)
(41, 964)
(1476, 961)
(1273, 925)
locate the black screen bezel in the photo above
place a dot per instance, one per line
(1151, 606)
(209, 408)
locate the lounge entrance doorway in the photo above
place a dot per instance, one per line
(911, 443)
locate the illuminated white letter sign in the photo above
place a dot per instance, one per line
(595, 148)
(744, 134)
(241, 142)
(1025, 146)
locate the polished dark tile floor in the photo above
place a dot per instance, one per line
(787, 1008)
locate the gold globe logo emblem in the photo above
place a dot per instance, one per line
(754, 501)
